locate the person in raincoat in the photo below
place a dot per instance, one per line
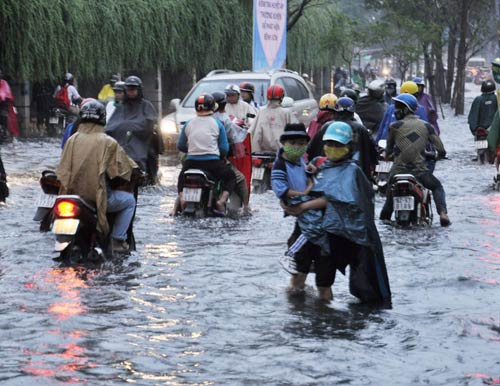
(426, 101)
(270, 122)
(325, 114)
(107, 93)
(91, 163)
(483, 107)
(347, 232)
(371, 107)
(8, 114)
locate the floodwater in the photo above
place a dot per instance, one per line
(205, 302)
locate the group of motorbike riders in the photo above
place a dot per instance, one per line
(322, 174)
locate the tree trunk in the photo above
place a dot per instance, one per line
(437, 51)
(452, 46)
(461, 58)
(428, 72)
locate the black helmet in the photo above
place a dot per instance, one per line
(119, 86)
(390, 82)
(205, 102)
(68, 78)
(93, 111)
(220, 99)
(113, 79)
(350, 93)
(488, 86)
(133, 81)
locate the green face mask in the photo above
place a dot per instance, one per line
(335, 153)
(294, 153)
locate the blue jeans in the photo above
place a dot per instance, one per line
(123, 204)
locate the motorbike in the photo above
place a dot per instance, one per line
(262, 163)
(200, 192)
(57, 122)
(382, 169)
(46, 199)
(411, 201)
(481, 144)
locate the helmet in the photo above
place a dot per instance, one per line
(247, 86)
(275, 92)
(409, 87)
(219, 97)
(350, 93)
(339, 132)
(327, 102)
(119, 86)
(390, 81)
(376, 88)
(68, 78)
(488, 86)
(344, 104)
(205, 102)
(419, 81)
(408, 100)
(232, 89)
(93, 111)
(133, 81)
(113, 79)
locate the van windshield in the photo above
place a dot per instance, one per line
(476, 63)
(210, 86)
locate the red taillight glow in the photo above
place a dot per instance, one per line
(66, 209)
(256, 162)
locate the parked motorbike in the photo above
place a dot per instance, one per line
(46, 199)
(481, 144)
(201, 191)
(262, 163)
(411, 201)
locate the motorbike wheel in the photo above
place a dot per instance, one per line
(481, 157)
(52, 130)
(73, 254)
(233, 205)
(259, 187)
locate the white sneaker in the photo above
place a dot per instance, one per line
(288, 263)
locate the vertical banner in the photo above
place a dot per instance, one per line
(269, 34)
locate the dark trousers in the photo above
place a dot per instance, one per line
(218, 169)
(430, 182)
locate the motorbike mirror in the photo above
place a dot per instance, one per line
(128, 137)
(287, 102)
(249, 115)
(174, 103)
(382, 143)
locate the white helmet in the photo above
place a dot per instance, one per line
(232, 89)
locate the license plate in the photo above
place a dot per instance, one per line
(66, 226)
(191, 195)
(258, 173)
(54, 120)
(45, 200)
(481, 145)
(383, 166)
(404, 203)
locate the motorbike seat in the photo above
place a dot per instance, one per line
(405, 178)
(202, 173)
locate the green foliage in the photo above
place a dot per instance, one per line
(42, 39)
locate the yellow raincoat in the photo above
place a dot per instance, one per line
(106, 94)
(88, 157)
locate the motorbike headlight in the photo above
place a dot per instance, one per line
(168, 126)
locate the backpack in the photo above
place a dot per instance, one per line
(62, 97)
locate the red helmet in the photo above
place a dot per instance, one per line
(248, 87)
(275, 92)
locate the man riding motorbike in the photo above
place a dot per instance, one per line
(204, 141)
(406, 141)
(325, 114)
(271, 121)
(236, 106)
(371, 107)
(132, 125)
(92, 164)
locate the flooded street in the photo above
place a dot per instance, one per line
(205, 302)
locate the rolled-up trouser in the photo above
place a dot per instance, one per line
(217, 168)
(430, 182)
(123, 204)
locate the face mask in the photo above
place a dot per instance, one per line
(294, 153)
(335, 153)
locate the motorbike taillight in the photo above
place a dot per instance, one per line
(193, 182)
(66, 209)
(257, 162)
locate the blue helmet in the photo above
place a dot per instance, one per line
(344, 104)
(408, 100)
(339, 132)
(419, 81)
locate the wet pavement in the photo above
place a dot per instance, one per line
(205, 303)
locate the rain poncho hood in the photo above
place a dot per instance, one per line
(132, 126)
(371, 111)
(88, 158)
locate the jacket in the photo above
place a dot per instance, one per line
(89, 159)
(482, 110)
